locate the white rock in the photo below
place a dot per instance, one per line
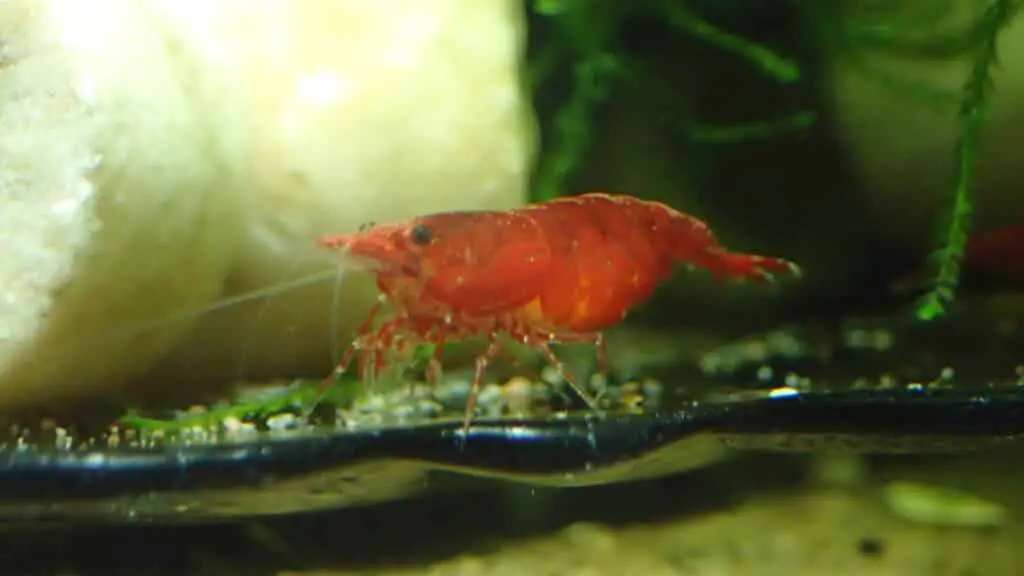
(156, 155)
(117, 206)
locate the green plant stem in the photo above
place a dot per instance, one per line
(588, 29)
(976, 92)
(731, 133)
(927, 41)
(782, 69)
(572, 130)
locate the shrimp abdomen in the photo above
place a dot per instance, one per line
(603, 262)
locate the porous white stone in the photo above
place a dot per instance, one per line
(157, 156)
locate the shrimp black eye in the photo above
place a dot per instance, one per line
(420, 235)
(366, 226)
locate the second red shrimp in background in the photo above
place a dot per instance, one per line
(554, 272)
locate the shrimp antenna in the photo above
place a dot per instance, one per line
(138, 329)
(269, 291)
(335, 312)
(273, 290)
(251, 333)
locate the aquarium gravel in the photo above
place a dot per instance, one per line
(281, 408)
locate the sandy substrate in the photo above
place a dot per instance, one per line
(816, 531)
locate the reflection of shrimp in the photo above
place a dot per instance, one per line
(554, 272)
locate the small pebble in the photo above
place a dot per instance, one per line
(871, 546)
(756, 350)
(453, 392)
(785, 344)
(541, 392)
(939, 506)
(231, 424)
(429, 407)
(879, 340)
(731, 357)
(372, 404)
(421, 391)
(886, 382)
(633, 402)
(551, 375)
(861, 384)
(62, 440)
(652, 388)
(490, 399)
(519, 395)
(883, 340)
(284, 421)
(792, 380)
(711, 364)
(592, 537)
(403, 411)
(368, 420)
(114, 439)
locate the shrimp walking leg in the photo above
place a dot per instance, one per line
(493, 347)
(400, 335)
(543, 347)
(350, 352)
(387, 338)
(368, 345)
(595, 338)
(348, 356)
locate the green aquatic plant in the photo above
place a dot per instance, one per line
(973, 103)
(890, 35)
(686, 22)
(299, 396)
(724, 134)
(585, 34)
(916, 32)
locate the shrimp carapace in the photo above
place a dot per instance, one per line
(554, 272)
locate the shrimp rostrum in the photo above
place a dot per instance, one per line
(548, 273)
